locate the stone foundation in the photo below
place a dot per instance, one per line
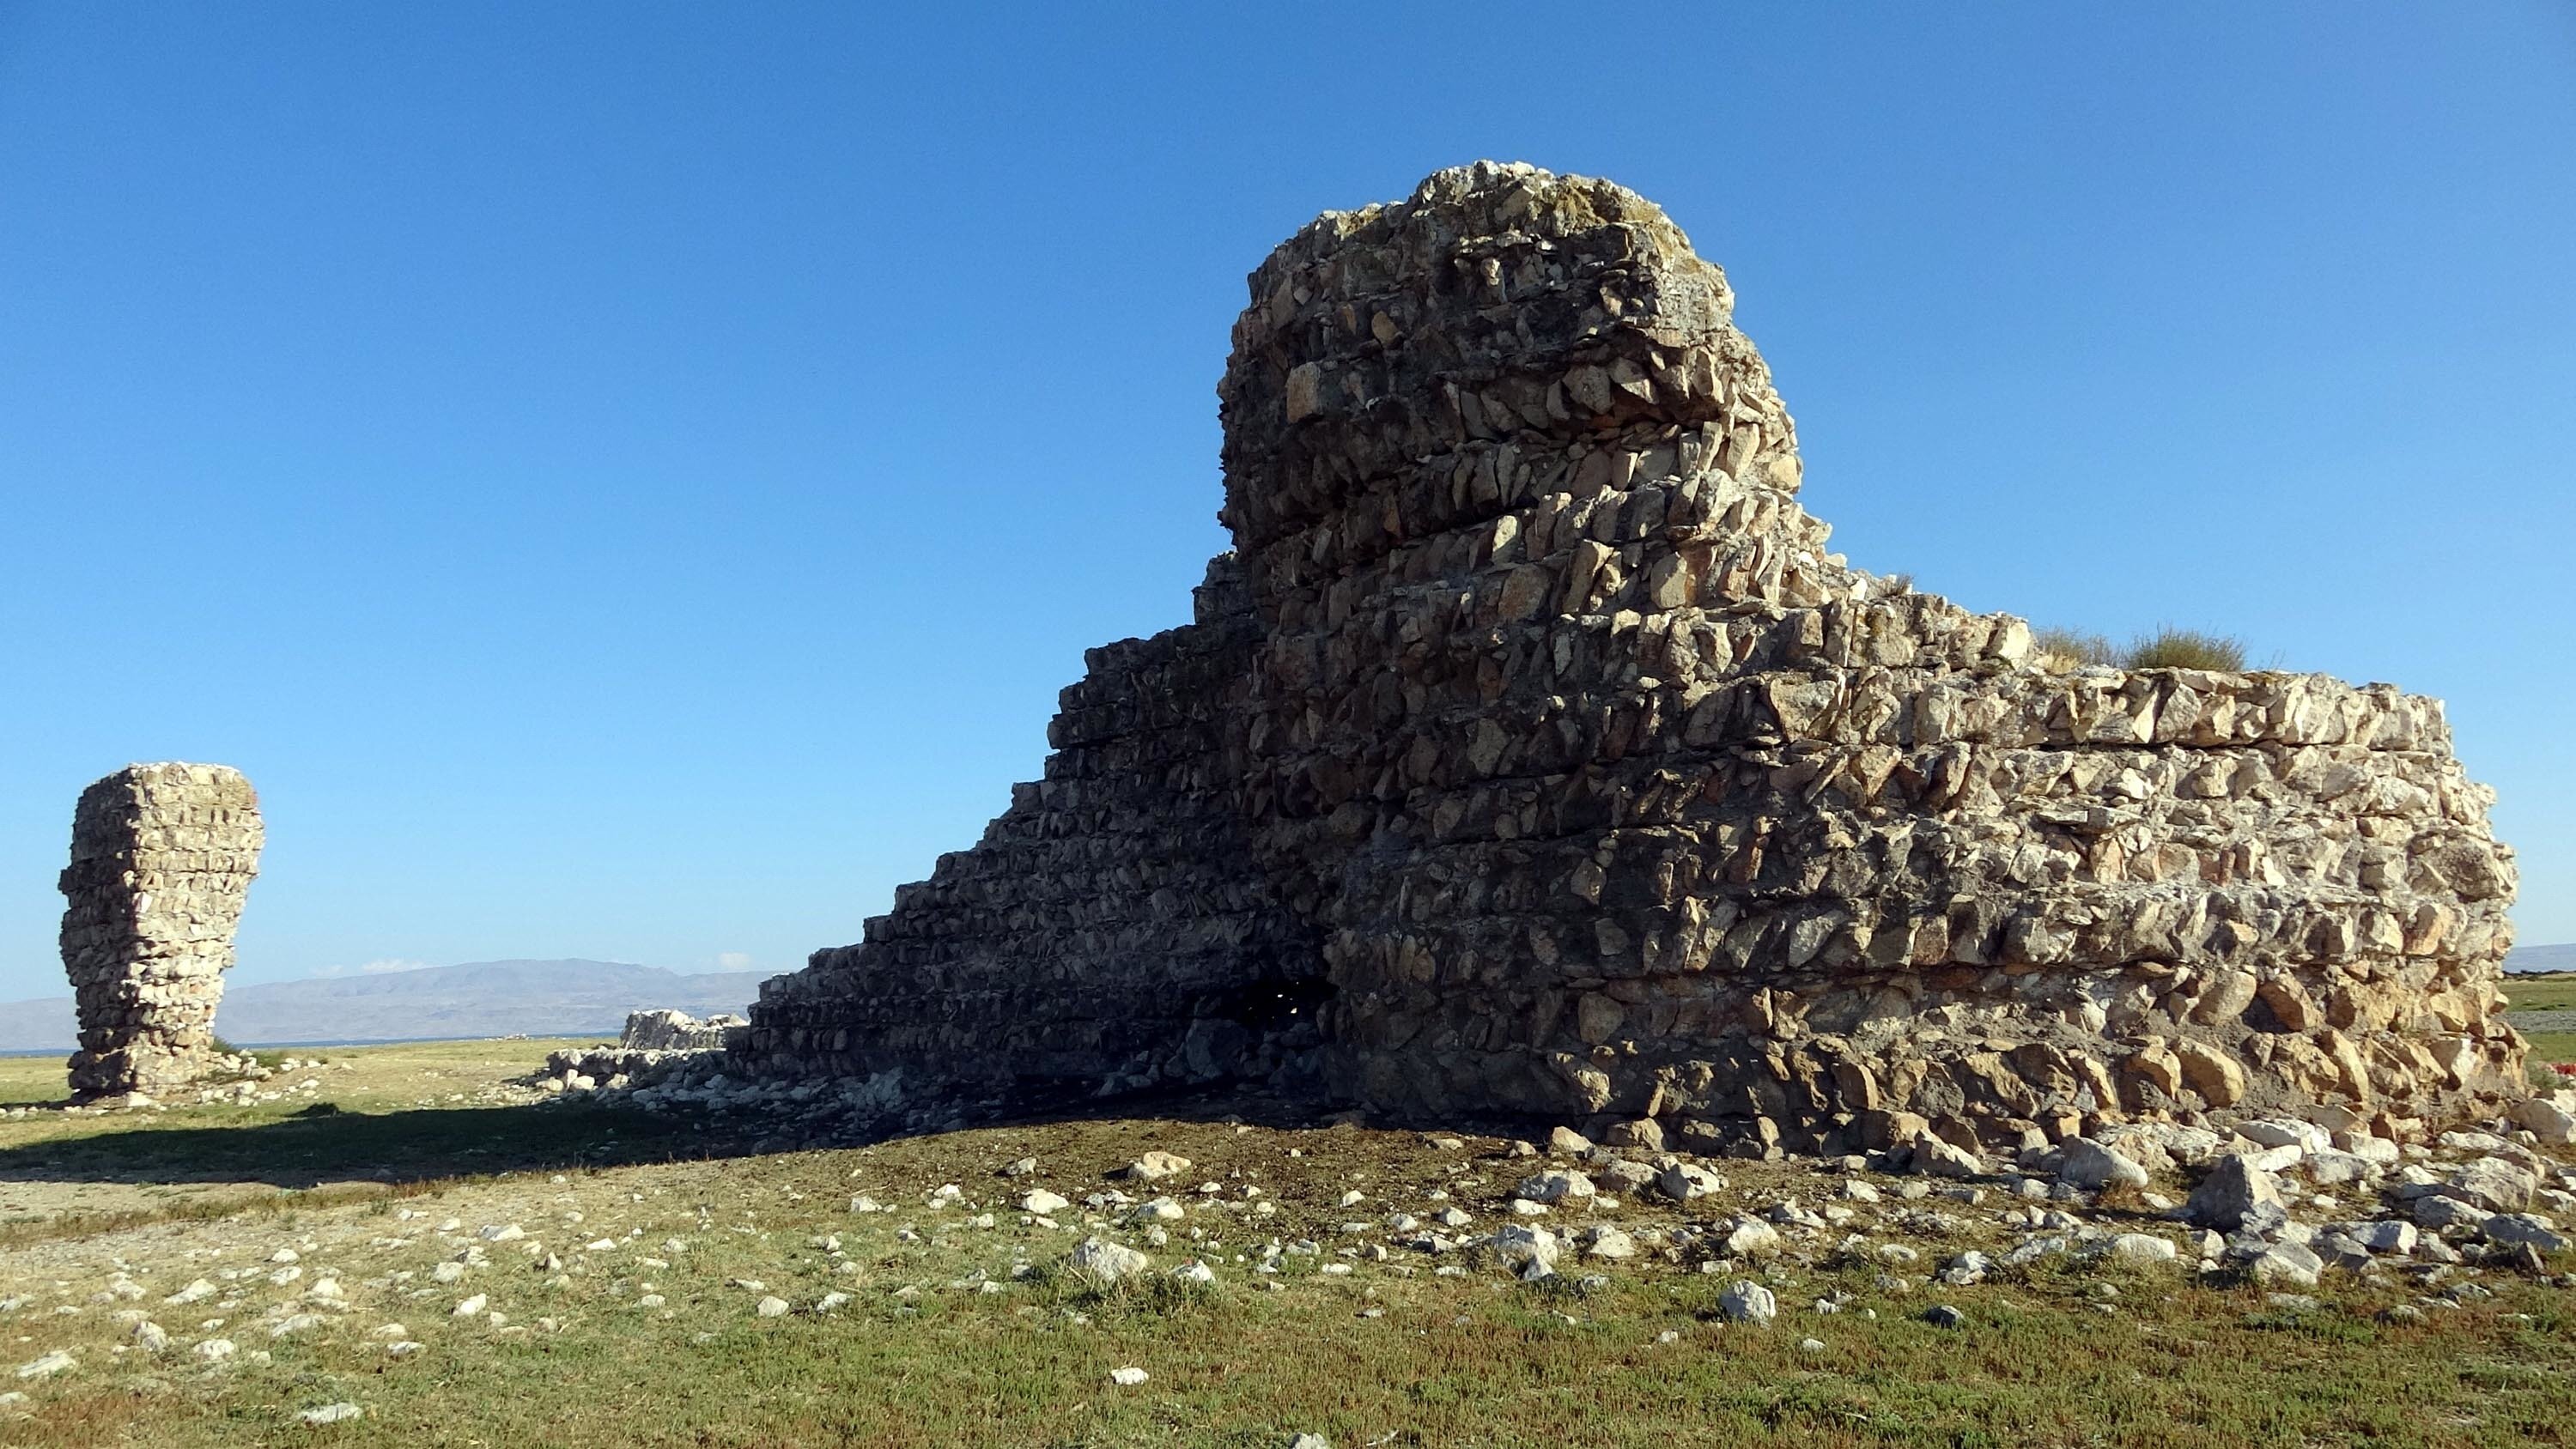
(162, 859)
(1532, 755)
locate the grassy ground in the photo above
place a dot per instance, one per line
(2544, 1009)
(2555, 991)
(371, 1120)
(615, 1206)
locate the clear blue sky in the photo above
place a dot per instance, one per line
(628, 480)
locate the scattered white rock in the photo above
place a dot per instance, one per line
(1608, 1242)
(1153, 1167)
(2492, 1183)
(1106, 1263)
(1127, 1378)
(331, 1413)
(48, 1365)
(1935, 1157)
(2141, 1248)
(2517, 1228)
(1746, 1301)
(2551, 1118)
(2287, 1132)
(2437, 1212)
(1688, 1181)
(1752, 1238)
(2286, 1263)
(2237, 1188)
(2384, 1235)
(1522, 1247)
(2089, 1164)
(1555, 1187)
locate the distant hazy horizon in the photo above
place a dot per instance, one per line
(470, 999)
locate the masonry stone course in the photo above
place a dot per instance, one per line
(1531, 754)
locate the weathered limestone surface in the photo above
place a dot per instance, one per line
(665, 1030)
(1532, 724)
(162, 859)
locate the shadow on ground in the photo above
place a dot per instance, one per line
(315, 1147)
(321, 1145)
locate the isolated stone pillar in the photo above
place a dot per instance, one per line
(162, 858)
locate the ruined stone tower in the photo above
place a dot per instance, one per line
(1532, 739)
(162, 858)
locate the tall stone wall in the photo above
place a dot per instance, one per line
(1110, 930)
(1614, 792)
(162, 859)
(1597, 787)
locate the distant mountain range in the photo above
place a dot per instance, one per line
(534, 998)
(479, 999)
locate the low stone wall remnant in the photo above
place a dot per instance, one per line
(663, 1029)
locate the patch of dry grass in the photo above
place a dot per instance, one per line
(2066, 650)
(2172, 648)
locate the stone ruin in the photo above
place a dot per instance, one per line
(1530, 755)
(162, 859)
(657, 1045)
(664, 1030)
